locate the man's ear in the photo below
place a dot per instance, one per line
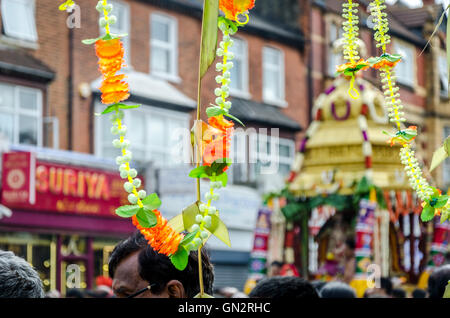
(175, 289)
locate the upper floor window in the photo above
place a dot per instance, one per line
(164, 46)
(405, 69)
(21, 114)
(18, 18)
(157, 135)
(122, 12)
(239, 72)
(334, 55)
(273, 76)
(443, 74)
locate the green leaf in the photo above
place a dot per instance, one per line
(118, 36)
(447, 291)
(176, 223)
(219, 230)
(125, 106)
(209, 35)
(146, 218)
(234, 118)
(188, 238)
(127, 211)
(189, 215)
(427, 213)
(214, 111)
(441, 202)
(199, 172)
(180, 258)
(203, 296)
(440, 155)
(218, 166)
(110, 109)
(223, 178)
(152, 201)
(90, 41)
(445, 216)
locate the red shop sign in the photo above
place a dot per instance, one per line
(17, 178)
(70, 189)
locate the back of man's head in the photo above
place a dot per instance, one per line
(438, 280)
(284, 287)
(17, 278)
(157, 269)
(419, 293)
(337, 290)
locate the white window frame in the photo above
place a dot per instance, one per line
(255, 155)
(171, 46)
(332, 55)
(124, 8)
(410, 78)
(280, 101)
(16, 111)
(147, 111)
(242, 92)
(443, 73)
(30, 4)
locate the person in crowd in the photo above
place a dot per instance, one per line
(419, 293)
(275, 269)
(337, 290)
(318, 285)
(438, 281)
(137, 270)
(18, 279)
(53, 294)
(284, 287)
(74, 293)
(385, 290)
(289, 270)
(398, 293)
(349, 260)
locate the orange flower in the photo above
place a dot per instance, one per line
(220, 122)
(351, 68)
(384, 63)
(110, 54)
(232, 8)
(218, 145)
(162, 237)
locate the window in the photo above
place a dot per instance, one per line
(446, 167)
(405, 69)
(443, 74)
(334, 56)
(239, 72)
(21, 114)
(164, 47)
(18, 19)
(273, 76)
(158, 135)
(122, 26)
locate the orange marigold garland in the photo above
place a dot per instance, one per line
(143, 208)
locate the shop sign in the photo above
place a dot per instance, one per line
(65, 188)
(18, 178)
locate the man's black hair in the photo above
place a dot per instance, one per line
(74, 293)
(337, 290)
(124, 249)
(419, 293)
(284, 287)
(398, 293)
(438, 280)
(318, 285)
(157, 269)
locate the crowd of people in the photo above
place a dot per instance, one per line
(137, 271)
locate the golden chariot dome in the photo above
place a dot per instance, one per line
(345, 142)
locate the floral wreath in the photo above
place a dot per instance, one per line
(191, 229)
